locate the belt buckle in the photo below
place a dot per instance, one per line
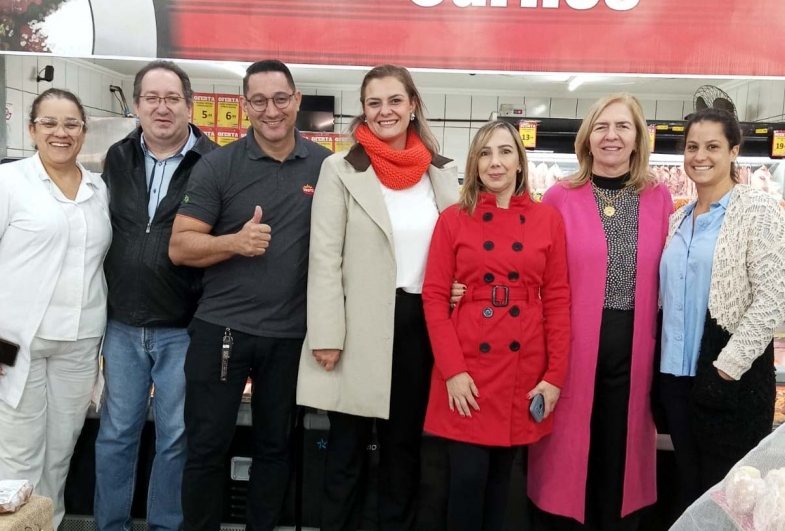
(500, 303)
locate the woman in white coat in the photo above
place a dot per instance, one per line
(367, 358)
(54, 233)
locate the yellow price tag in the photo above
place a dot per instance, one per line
(778, 144)
(652, 136)
(228, 111)
(528, 132)
(678, 129)
(227, 137)
(204, 110)
(661, 127)
(245, 123)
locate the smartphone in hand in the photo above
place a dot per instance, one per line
(8, 352)
(537, 408)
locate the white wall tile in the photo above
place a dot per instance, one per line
(438, 131)
(106, 95)
(585, 104)
(28, 152)
(198, 87)
(564, 107)
(350, 102)
(538, 107)
(753, 101)
(649, 109)
(669, 110)
(29, 73)
(71, 80)
(335, 94)
(456, 146)
(776, 106)
(13, 72)
(15, 127)
(741, 102)
(15, 153)
(27, 104)
(457, 125)
(308, 91)
(483, 106)
(85, 92)
(434, 105)
(43, 62)
(458, 107)
(228, 89)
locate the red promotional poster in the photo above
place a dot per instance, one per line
(696, 37)
(226, 136)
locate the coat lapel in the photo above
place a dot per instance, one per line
(445, 186)
(365, 190)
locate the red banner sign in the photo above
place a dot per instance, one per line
(732, 37)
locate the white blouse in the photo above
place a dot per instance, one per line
(35, 238)
(413, 215)
(78, 306)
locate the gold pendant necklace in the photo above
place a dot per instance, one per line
(609, 210)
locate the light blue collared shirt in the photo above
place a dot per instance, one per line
(160, 172)
(685, 280)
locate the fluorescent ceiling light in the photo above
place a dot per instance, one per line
(576, 82)
(234, 67)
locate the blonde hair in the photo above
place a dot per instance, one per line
(472, 185)
(420, 124)
(641, 175)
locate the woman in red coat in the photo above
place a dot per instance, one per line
(508, 337)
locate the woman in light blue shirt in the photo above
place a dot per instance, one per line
(722, 285)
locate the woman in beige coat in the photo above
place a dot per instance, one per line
(367, 357)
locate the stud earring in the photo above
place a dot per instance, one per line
(412, 117)
(365, 119)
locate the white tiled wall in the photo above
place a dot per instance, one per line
(759, 100)
(90, 84)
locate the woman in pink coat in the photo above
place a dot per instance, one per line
(597, 468)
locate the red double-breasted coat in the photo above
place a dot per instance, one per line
(512, 328)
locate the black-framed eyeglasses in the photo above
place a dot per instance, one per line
(50, 125)
(280, 99)
(155, 101)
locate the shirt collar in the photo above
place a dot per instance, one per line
(87, 176)
(255, 152)
(722, 203)
(189, 144)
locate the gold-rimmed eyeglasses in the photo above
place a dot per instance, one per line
(49, 125)
(155, 101)
(280, 99)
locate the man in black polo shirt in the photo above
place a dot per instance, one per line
(245, 218)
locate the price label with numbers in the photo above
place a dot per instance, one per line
(652, 136)
(227, 137)
(204, 110)
(245, 122)
(228, 111)
(528, 132)
(778, 144)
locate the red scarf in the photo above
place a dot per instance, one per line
(397, 170)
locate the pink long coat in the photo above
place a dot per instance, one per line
(558, 463)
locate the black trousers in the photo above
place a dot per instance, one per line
(398, 437)
(211, 408)
(479, 486)
(608, 438)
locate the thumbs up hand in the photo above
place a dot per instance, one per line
(254, 238)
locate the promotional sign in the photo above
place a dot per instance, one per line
(228, 111)
(528, 132)
(778, 145)
(652, 136)
(708, 37)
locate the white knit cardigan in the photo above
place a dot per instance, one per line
(747, 293)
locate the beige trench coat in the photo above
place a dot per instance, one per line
(351, 285)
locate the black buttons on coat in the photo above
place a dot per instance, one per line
(515, 346)
(517, 247)
(485, 348)
(515, 311)
(487, 312)
(488, 277)
(513, 275)
(487, 216)
(488, 246)
(523, 218)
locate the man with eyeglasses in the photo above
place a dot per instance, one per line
(151, 302)
(245, 218)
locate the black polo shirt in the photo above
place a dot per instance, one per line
(262, 295)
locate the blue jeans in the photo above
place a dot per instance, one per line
(135, 358)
